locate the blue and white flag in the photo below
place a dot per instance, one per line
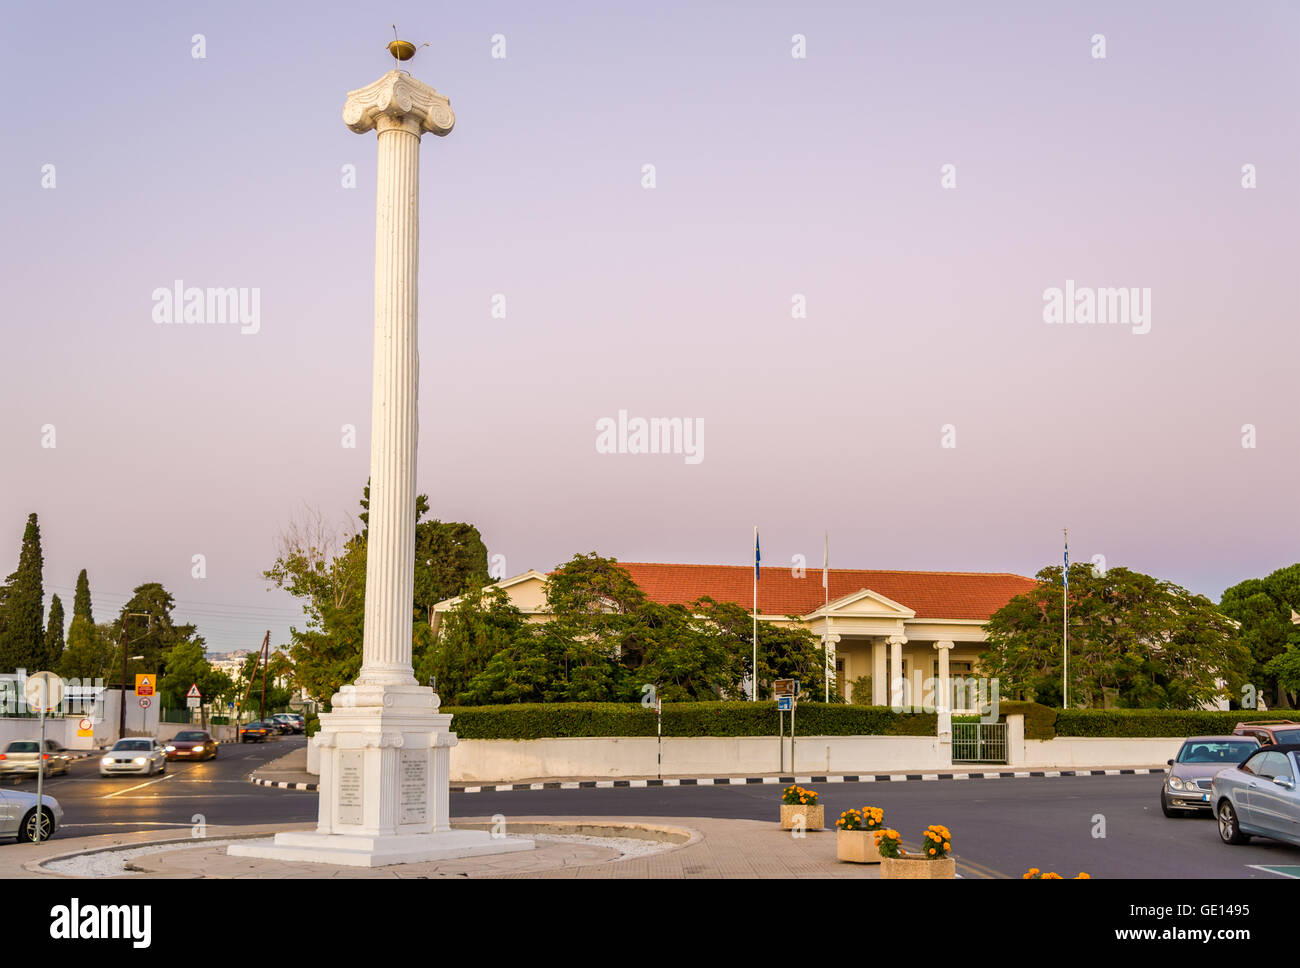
(1067, 563)
(758, 557)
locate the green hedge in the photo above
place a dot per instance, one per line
(1040, 720)
(1157, 722)
(547, 720)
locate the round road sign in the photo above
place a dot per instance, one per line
(85, 724)
(144, 702)
(43, 690)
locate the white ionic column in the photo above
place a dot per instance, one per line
(384, 746)
(401, 109)
(896, 671)
(943, 702)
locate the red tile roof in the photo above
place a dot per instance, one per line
(931, 594)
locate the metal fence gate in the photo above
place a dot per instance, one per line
(979, 742)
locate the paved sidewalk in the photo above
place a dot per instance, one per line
(703, 848)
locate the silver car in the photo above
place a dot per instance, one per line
(1186, 788)
(134, 755)
(18, 815)
(23, 756)
(1259, 798)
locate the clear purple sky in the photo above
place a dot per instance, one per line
(775, 176)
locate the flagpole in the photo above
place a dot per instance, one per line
(1065, 626)
(826, 618)
(754, 673)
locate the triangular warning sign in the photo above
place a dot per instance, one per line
(144, 682)
(194, 692)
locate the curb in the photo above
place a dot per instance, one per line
(282, 785)
(748, 780)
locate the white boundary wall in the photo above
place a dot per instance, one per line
(513, 761)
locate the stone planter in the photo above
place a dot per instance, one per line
(857, 847)
(913, 867)
(814, 817)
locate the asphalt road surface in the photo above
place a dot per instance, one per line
(1000, 827)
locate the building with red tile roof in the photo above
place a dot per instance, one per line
(909, 628)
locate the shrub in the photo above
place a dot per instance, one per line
(553, 720)
(1157, 722)
(1040, 720)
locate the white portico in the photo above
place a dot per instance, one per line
(385, 747)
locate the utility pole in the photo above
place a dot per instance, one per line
(121, 712)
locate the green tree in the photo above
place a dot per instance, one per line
(22, 607)
(1263, 608)
(81, 600)
(188, 665)
(153, 636)
(54, 634)
(262, 691)
(89, 652)
(480, 625)
(1135, 641)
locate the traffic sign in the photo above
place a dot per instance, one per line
(194, 692)
(143, 684)
(44, 690)
(785, 703)
(144, 702)
(85, 724)
(230, 705)
(193, 703)
(785, 687)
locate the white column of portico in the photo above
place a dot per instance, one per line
(879, 674)
(943, 700)
(384, 746)
(896, 685)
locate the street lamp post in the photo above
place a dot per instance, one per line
(121, 712)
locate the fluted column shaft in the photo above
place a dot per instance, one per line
(394, 420)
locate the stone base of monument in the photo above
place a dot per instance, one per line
(353, 851)
(384, 786)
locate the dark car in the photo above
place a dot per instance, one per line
(192, 744)
(293, 722)
(257, 732)
(1270, 732)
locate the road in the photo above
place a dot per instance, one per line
(1003, 826)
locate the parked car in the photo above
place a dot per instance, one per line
(1274, 731)
(1259, 798)
(281, 727)
(192, 744)
(23, 756)
(18, 815)
(1187, 784)
(294, 721)
(257, 732)
(134, 755)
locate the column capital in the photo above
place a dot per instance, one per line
(943, 645)
(897, 640)
(398, 100)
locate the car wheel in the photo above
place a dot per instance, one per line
(1229, 827)
(162, 769)
(27, 832)
(1166, 809)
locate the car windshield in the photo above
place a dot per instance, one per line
(20, 746)
(1224, 752)
(132, 745)
(1286, 736)
(191, 737)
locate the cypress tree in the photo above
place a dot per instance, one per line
(81, 601)
(22, 638)
(54, 635)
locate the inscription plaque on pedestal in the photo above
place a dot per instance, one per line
(350, 786)
(414, 800)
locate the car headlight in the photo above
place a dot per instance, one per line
(170, 749)
(141, 760)
(107, 761)
(1175, 783)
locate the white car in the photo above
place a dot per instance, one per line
(141, 754)
(18, 815)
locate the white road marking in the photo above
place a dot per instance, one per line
(136, 787)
